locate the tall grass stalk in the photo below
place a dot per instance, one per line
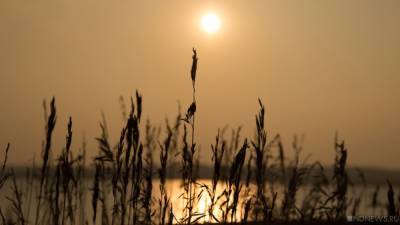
(164, 200)
(51, 122)
(217, 155)
(391, 208)
(341, 180)
(259, 145)
(189, 151)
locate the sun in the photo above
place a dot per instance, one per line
(210, 23)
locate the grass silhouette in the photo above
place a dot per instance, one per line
(243, 189)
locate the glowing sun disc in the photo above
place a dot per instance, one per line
(210, 23)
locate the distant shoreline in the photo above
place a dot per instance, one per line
(373, 176)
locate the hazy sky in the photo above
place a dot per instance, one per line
(319, 66)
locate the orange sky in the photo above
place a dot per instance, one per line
(319, 66)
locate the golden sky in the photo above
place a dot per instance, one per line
(319, 66)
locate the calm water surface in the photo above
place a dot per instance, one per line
(175, 190)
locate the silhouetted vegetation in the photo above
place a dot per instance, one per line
(252, 181)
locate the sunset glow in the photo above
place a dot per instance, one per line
(210, 23)
(199, 112)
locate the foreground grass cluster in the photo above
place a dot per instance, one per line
(122, 191)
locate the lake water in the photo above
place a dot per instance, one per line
(175, 190)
